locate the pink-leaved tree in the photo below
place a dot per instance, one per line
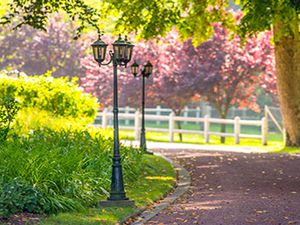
(36, 52)
(222, 71)
(229, 71)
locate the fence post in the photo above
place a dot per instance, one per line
(104, 118)
(208, 110)
(206, 128)
(137, 125)
(198, 113)
(284, 136)
(127, 110)
(171, 126)
(158, 109)
(237, 130)
(264, 130)
(185, 113)
(266, 109)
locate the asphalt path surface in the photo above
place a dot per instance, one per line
(235, 189)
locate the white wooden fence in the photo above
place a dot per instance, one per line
(171, 119)
(193, 112)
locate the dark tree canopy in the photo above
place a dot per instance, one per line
(152, 18)
(35, 13)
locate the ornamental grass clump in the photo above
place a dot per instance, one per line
(50, 172)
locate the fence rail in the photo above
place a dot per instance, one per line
(105, 116)
(197, 112)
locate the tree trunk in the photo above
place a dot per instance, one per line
(179, 127)
(287, 57)
(177, 113)
(223, 130)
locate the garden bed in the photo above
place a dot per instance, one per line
(153, 182)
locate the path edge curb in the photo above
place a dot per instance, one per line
(183, 185)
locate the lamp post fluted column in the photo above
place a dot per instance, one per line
(117, 185)
(145, 73)
(119, 57)
(143, 137)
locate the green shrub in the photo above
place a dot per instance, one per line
(52, 162)
(70, 169)
(8, 110)
(17, 196)
(56, 95)
(30, 119)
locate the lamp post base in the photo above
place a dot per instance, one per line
(117, 203)
(148, 152)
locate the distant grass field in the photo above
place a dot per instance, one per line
(199, 139)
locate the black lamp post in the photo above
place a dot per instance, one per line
(145, 73)
(120, 56)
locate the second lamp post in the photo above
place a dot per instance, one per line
(145, 73)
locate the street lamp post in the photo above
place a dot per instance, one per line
(145, 73)
(120, 56)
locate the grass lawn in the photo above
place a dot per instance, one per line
(290, 150)
(157, 177)
(274, 140)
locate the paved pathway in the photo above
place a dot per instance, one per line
(235, 189)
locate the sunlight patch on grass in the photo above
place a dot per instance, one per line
(159, 178)
(290, 150)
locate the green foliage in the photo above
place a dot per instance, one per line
(30, 119)
(153, 17)
(8, 110)
(154, 180)
(17, 196)
(56, 95)
(35, 13)
(65, 170)
(194, 18)
(260, 15)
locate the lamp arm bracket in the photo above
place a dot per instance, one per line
(111, 57)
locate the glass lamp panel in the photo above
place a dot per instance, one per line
(148, 68)
(135, 68)
(122, 52)
(95, 53)
(129, 52)
(99, 50)
(103, 52)
(119, 50)
(126, 54)
(116, 51)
